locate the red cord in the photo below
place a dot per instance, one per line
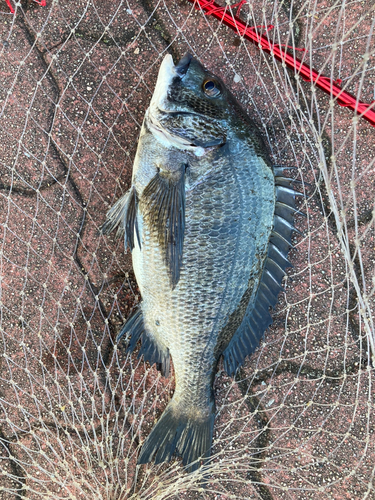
(42, 3)
(10, 6)
(329, 86)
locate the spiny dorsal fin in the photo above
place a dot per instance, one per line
(163, 207)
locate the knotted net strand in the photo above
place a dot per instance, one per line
(298, 420)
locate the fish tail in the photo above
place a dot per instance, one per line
(181, 432)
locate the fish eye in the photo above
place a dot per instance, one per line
(211, 88)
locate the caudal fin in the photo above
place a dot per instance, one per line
(180, 432)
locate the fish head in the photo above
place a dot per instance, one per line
(190, 108)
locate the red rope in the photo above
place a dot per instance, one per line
(329, 86)
(42, 3)
(10, 6)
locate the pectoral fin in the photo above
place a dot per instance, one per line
(123, 215)
(152, 349)
(163, 207)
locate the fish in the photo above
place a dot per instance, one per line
(209, 221)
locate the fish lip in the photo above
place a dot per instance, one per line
(166, 74)
(183, 65)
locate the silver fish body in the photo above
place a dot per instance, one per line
(209, 228)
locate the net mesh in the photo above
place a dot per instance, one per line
(298, 420)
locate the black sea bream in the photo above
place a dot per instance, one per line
(209, 223)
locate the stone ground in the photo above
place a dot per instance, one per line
(298, 421)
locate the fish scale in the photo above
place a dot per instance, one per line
(209, 227)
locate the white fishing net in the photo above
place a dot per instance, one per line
(298, 421)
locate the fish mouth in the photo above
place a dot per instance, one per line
(167, 72)
(159, 105)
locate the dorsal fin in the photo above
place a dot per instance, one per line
(257, 317)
